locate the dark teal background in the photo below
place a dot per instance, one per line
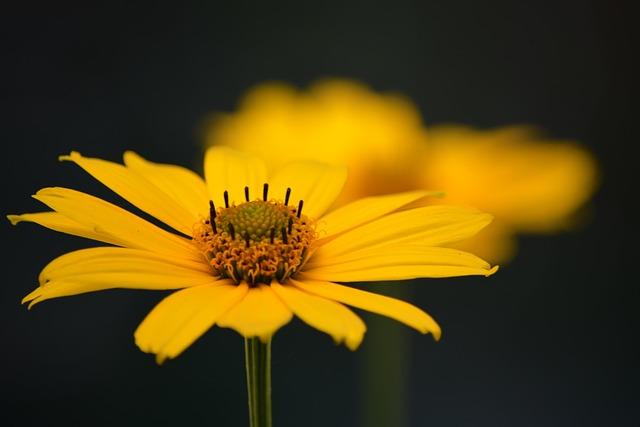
(548, 341)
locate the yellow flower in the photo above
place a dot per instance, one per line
(248, 251)
(531, 185)
(528, 183)
(337, 122)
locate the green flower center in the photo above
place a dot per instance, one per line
(255, 219)
(257, 241)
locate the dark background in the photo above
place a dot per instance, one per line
(550, 340)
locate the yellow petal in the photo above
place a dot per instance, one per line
(395, 262)
(397, 272)
(134, 188)
(260, 314)
(390, 307)
(496, 243)
(323, 314)
(402, 253)
(366, 210)
(185, 187)
(317, 184)
(229, 170)
(88, 271)
(62, 224)
(107, 219)
(182, 317)
(108, 259)
(427, 226)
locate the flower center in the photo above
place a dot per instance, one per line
(256, 241)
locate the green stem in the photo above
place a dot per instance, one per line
(385, 372)
(257, 357)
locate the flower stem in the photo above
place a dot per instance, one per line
(385, 361)
(257, 357)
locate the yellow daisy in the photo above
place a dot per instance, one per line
(249, 250)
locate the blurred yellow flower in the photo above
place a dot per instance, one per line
(337, 122)
(528, 183)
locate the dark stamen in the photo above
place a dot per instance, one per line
(246, 193)
(226, 199)
(273, 235)
(290, 224)
(212, 216)
(212, 210)
(300, 208)
(286, 197)
(232, 231)
(246, 239)
(284, 235)
(265, 191)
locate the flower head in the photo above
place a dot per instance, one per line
(249, 251)
(337, 122)
(529, 183)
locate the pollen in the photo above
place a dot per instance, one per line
(257, 241)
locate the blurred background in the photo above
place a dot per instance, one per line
(549, 340)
